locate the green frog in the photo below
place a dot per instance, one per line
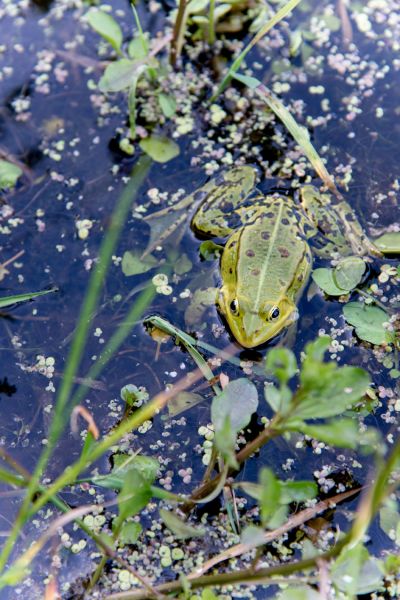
(270, 242)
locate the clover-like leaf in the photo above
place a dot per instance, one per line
(368, 322)
(324, 279)
(349, 272)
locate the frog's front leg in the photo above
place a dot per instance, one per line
(216, 215)
(201, 300)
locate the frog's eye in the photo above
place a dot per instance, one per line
(234, 306)
(273, 313)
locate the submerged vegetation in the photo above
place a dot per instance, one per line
(217, 472)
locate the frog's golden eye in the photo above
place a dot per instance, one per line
(273, 313)
(234, 306)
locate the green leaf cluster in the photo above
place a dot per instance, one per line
(123, 75)
(274, 496)
(325, 390)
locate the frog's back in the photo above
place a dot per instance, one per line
(262, 260)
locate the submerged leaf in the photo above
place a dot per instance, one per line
(182, 402)
(106, 26)
(133, 264)
(182, 265)
(160, 148)
(368, 322)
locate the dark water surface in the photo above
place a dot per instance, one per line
(53, 122)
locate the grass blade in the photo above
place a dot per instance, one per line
(299, 133)
(61, 414)
(235, 66)
(10, 300)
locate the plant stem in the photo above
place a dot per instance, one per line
(248, 576)
(207, 487)
(177, 33)
(211, 24)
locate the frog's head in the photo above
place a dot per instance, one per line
(252, 327)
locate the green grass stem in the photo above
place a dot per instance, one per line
(211, 23)
(61, 411)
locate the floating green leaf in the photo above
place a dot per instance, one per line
(324, 279)
(181, 529)
(120, 75)
(389, 243)
(368, 322)
(9, 174)
(133, 396)
(106, 26)
(349, 272)
(133, 264)
(160, 148)
(167, 104)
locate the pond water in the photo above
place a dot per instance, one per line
(57, 125)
